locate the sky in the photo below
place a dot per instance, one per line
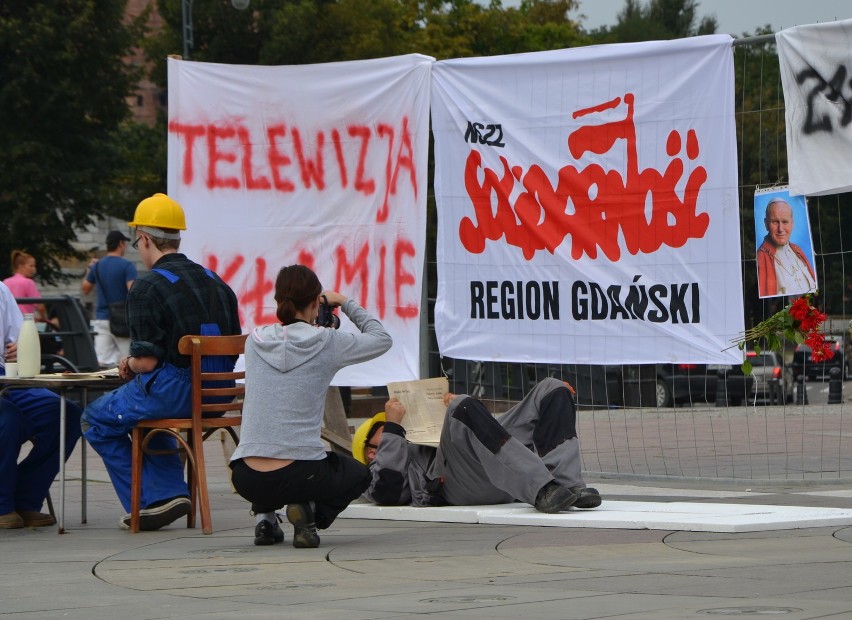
(735, 16)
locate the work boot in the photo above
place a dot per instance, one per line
(11, 521)
(554, 498)
(587, 497)
(266, 533)
(33, 518)
(304, 528)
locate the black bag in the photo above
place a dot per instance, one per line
(118, 319)
(117, 314)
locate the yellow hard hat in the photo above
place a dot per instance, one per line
(359, 439)
(159, 211)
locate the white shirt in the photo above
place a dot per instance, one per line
(791, 273)
(10, 320)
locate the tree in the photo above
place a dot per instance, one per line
(62, 98)
(464, 28)
(657, 20)
(294, 32)
(139, 153)
(272, 32)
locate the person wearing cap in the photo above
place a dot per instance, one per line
(530, 454)
(112, 276)
(175, 298)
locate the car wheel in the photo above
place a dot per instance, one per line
(664, 394)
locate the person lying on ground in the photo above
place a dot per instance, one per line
(530, 454)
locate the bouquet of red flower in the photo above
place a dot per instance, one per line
(799, 322)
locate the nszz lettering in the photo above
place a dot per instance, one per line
(479, 133)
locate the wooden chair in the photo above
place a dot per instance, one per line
(335, 428)
(197, 428)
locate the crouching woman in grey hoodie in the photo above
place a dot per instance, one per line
(281, 459)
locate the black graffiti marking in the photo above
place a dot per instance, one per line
(834, 93)
(491, 139)
(475, 135)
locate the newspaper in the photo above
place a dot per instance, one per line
(425, 409)
(97, 374)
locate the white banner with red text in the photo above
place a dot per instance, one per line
(816, 67)
(587, 205)
(323, 165)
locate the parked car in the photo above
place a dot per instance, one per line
(768, 371)
(803, 363)
(696, 383)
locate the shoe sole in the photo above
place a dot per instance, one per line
(11, 526)
(588, 501)
(304, 531)
(587, 497)
(151, 519)
(306, 540)
(39, 522)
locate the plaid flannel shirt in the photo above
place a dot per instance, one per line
(160, 312)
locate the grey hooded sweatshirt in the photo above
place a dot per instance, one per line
(288, 371)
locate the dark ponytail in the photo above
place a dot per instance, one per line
(296, 288)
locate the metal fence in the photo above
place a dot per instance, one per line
(692, 421)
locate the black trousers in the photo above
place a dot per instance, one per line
(331, 484)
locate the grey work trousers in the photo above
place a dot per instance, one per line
(488, 460)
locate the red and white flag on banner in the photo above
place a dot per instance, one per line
(587, 205)
(323, 165)
(816, 76)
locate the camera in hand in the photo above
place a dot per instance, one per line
(326, 316)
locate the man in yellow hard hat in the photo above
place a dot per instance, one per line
(175, 298)
(530, 454)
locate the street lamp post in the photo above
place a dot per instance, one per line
(186, 27)
(186, 22)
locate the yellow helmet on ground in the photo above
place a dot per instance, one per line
(159, 211)
(359, 439)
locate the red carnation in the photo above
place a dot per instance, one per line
(812, 320)
(815, 340)
(825, 352)
(800, 308)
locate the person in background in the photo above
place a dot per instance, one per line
(531, 454)
(177, 297)
(30, 414)
(21, 284)
(112, 276)
(281, 459)
(782, 267)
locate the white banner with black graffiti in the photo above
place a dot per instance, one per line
(587, 205)
(816, 75)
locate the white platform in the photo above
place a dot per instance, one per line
(687, 516)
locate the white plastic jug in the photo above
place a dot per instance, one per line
(29, 349)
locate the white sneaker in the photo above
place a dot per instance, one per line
(159, 515)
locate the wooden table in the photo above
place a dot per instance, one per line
(62, 384)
